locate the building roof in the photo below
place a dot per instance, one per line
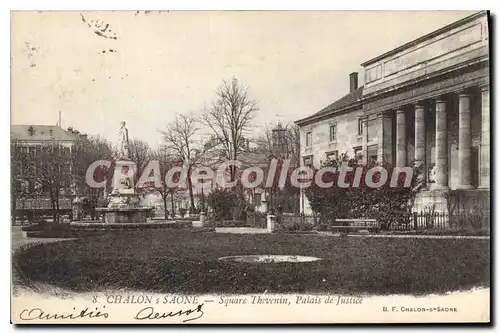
(40, 133)
(341, 104)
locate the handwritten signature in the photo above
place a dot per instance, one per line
(149, 313)
(39, 314)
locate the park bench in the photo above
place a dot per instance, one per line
(356, 224)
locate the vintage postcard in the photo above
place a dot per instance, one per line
(250, 167)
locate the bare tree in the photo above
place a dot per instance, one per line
(181, 142)
(165, 163)
(20, 163)
(85, 152)
(140, 153)
(280, 141)
(52, 172)
(229, 119)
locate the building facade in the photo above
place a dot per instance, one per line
(28, 196)
(426, 103)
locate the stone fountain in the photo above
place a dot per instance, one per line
(123, 207)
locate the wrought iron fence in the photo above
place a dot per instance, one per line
(443, 221)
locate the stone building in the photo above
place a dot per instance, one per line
(425, 102)
(27, 195)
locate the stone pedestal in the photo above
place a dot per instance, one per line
(201, 222)
(77, 208)
(123, 206)
(271, 223)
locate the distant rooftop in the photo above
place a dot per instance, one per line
(40, 133)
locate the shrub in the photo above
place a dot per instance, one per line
(468, 209)
(296, 227)
(228, 204)
(182, 212)
(389, 205)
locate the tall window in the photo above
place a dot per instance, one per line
(371, 128)
(360, 126)
(372, 153)
(333, 132)
(308, 139)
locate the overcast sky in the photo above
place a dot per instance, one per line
(163, 63)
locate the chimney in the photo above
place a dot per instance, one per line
(353, 81)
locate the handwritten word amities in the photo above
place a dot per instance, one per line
(39, 314)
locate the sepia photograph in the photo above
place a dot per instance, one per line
(250, 167)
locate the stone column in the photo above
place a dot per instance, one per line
(441, 146)
(400, 138)
(384, 149)
(464, 142)
(420, 159)
(484, 168)
(364, 144)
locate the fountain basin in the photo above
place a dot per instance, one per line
(125, 215)
(270, 258)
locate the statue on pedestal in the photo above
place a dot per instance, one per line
(123, 140)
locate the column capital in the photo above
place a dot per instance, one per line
(399, 111)
(463, 94)
(419, 105)
(384, 114)
(440, 100)
(485, 87)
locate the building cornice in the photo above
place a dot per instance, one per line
(426, 37)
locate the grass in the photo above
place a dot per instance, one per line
(184, 261)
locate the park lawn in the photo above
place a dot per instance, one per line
(184, 261)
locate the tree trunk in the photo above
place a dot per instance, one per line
(191, 195)
(57, 208)
(172, 203)
(54, 208)
(165, 210)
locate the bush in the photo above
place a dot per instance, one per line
(228, 204)
(388, 205)
(296, 227)
(468, 209)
